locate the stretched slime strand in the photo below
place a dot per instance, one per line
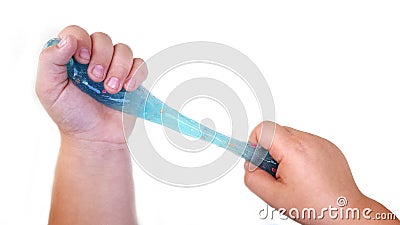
(141, 103)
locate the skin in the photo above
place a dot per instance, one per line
(93, 181)
(312, 172)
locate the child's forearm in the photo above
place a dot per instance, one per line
(368, 212)
(376, 213)
(93, 184)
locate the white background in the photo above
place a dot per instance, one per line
(332, 66)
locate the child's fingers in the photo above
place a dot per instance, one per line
(273, 137)
(53, 59)
(120, 67)
(52, 74)
(84, 45)
(102, 52)
(262, 183)
(279, 142)
(137, 75)
(262, 135)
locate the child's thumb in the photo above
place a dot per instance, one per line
(52, 72)
(276, 139)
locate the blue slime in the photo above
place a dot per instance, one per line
(141, 103)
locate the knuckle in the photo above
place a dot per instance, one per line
(247, 179)
(124, 47)
(74, 28)
(37, 91)
(268, 124)
(119, 69)
(101, 35)
(44, 55)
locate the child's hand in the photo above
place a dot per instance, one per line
(77, 115)
(312, 173)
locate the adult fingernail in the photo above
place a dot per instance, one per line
(113, 83)
(98, 71)
(84, 54)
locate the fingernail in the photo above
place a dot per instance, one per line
(113, 83)
(98, 71)
(131, 84)
(62, 43)
(84, 54)
(251, 167)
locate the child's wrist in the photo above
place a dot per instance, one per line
(89, 146)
